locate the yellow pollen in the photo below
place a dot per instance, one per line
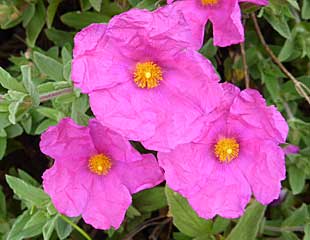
(99, 164)
(209, 2)
(226, 149)
(147, 75)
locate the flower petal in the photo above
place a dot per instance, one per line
(141, 174)
(227, 26)
(68, 188)
(250, 110)
(200, 86)
(157, 117)
(225, 192)
(67, 141)
(108, 202)
(112, 144)
(264, 169)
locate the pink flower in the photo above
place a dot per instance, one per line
(142, 80)
(225, 16)
(95, 172)
(291, 149)
(236, 154)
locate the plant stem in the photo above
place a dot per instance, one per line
(60, 92)
(49, 96)
(284, 229)
(76, 227)
(298, 85)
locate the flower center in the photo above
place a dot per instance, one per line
(147, 75)
(99, 164)
(226, 149)
(209, 2)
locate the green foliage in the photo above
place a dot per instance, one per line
(36, 92)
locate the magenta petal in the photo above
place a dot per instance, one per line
(225, 192)
(107, 205)
(227, 28)
(250, 109)
(266, 170)
(139, 175)
(157, 117)
(200, 86)
(66, 141)
(68, 188)
(185, 167)
(112, 144)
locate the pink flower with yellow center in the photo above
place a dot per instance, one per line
(143, 80)
(225, 16)
(236, 155)
(95, 172)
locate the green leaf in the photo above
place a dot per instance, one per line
(60, 38)
(80, 20)
(208, 50)
(51, 11)
(18, 226)
(27, 192)
(48, 228)
(44, 125)
(297, 218)
(278, 22)
(36, 24)
(27, 178)
(147, 4)
(51, 113)
(63, 229)
(305, 10)
(14, 131)
(248, 225)
(220, 224)
(307, 232)
(3, 142)
(28, 14)
(185, 218)
(18, 98)
(3, 210)
(29, 85)
(150, 200)
(297, 179)
(48, 66)
(96, 4)
(8, 82)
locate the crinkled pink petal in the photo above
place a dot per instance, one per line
(162, 24)
(265, 169)
(227, 26)
(108, 202)
(69, 188)
(250, 109)
(200, 86)
(291, 149)
(185, 167)
(196, 22)
(139, 175)
(257, 2)
(225, 192)
(112, 144)
(87, 39)
(147, 115)
(66, 141)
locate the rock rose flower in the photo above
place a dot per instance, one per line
(142, 80)
(225, 16)
(237, 154)
(95, 172)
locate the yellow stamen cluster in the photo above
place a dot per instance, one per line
(147, 75)
(99, 164)
(226, 149)
(209, 2)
